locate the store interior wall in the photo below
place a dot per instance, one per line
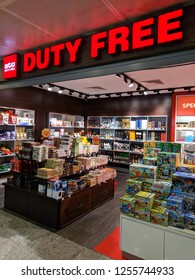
(44, 102)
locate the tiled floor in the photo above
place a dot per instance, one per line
(22, 240)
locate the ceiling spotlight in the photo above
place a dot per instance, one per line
(70, 92)
(49, 88)
(145, 92)
(131, 84)
(60, 91)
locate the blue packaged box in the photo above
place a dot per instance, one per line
(184, 182)
(127, 205)
(175, 204)
(176, 220)
(133, 186)
(189, 220)
(189, 199)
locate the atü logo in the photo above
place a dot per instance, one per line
(10, 66)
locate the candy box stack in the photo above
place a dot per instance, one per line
(175, 204)
(147, 185)
(184, 182)
(167, 163)
(127, 205)
(176, 220)
(133, 186)
(189, 220)
(162, 189)
(159, 215)
(149, 161)
(142, 172)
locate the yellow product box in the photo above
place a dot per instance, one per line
(144, 200)
(132, 135)
(160, 216)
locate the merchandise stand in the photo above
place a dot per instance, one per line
(154, 242)
(57, 213)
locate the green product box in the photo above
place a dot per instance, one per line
(167, 163)
(133, 186)
(142, 215)
(159, 216)
(151, 152)
(160, 145)
(142, 172)
(168, 147)
(147, 185)
(176, 148)
(127, 205)
(150, 161)
(144, 201)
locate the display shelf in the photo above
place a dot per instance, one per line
(3, 172)
(7, 140)
(160, 240)
(17, 123)
(11, 155)
(129, 129)
(122, 151)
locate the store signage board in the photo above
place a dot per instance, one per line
(186, 105)
(164, 29)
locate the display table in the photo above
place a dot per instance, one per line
(154, 242)
(56, 213)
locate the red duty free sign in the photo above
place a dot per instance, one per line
(166, 28)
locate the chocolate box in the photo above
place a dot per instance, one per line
(159, 215)
(127, 205)
(133, 186)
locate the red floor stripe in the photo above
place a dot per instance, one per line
(110, 246)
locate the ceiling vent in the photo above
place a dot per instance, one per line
(159, 82)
